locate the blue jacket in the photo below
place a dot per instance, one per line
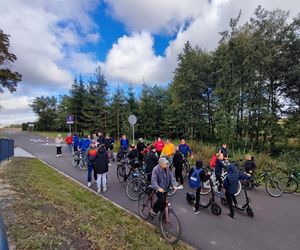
(84, 144)
(124, 144)
(75, 140)
(185, 149)
(232, 178)
(161, 178)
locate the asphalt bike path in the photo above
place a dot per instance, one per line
(275, 225)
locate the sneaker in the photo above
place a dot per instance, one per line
(57, 155)
(89, 184)
(231, 215)
(197, 211)
(152, 213)
(104, 189)
(179, 187)
(98, 190)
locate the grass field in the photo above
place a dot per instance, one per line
(44, 210)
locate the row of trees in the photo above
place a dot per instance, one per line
(245, 92)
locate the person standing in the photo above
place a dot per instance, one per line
(159, 146)
(75, 140)
(178, 161)
(124, 143)
(101, 168)
(59, 141)
(92, 151)
(69, 141)
(101, 138)
(151, 160)
(140, 148)
(185, 149)
(223, 150)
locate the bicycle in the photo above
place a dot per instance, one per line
(135, 186)
(168, 221)
(272, 185)
(125, 171)
(185, 167)
(80, 161)
(290, 183)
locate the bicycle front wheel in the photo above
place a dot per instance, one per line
(144, 205)
(134, 187)
(274, 187)
(75, 163)
(121, 173)
(170, 226)
(289, 185)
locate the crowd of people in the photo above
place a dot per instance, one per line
(157, 157)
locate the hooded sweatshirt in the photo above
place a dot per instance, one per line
(232, 178)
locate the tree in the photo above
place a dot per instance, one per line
(8, 79)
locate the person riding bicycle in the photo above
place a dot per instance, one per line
(203, 176)
(151, 160)
(161, 181)
(218, 169)
(101, 138)
(231, 183)
(75, 143)
(185, 149)
(168, 150)
(84, 144)
(178, 161)
(133, 157)
(109, 145)
(249, 165)
(141, 147)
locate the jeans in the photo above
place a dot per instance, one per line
(90, 171)
(69, 149)
(101, 180)
(160, 203)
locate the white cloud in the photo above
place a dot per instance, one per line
(133, 57)
(83, 62)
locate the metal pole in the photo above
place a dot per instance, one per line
(133, 134)
(70, 128)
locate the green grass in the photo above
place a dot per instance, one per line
(49, 211)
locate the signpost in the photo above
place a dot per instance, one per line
(70, 120)
(132, 121)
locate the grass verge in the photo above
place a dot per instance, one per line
(45, 210)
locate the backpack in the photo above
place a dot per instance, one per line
(194, 181)
(213, 161)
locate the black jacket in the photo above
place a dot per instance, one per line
(218, 169)
(100, 161)
(249, 165)
(178, 159)
(151, 161)
(133, 154)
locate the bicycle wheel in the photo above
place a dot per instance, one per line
(121, 173)
(239, 189)
(75, 163)
(134, 187)
(216, 209)
(289, 185)
(83, 165)
(170, 226)
(144, 205)
(274, 187)
(206, 188)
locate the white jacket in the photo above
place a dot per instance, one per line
(59, 141)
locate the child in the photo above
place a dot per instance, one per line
(203, 176)
(231, 186)
(69, 141)
(59, 141)
(249, 165)
(92, 152)
(177, 163)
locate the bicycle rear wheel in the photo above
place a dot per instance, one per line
(144, 205)
(134, 187)
(83, 165)
(170, 227)
(121, 173)
(289, 185)
(206, 188)
(274, 187)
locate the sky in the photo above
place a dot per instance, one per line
(134, 41)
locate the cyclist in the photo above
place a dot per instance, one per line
(249, 165)
(92, 151)
(141, 147)
(168, 150)
(178, 161)
(109, 144)
(218, 170)
(124, 143)
(185, 149)
(84, 144)
(159, 145)
(161, 181)
(151, 161)
(133, 155)
(101, 138)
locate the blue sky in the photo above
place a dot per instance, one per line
(132, 40)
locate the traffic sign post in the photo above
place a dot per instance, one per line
(132, 121)
(70, 120)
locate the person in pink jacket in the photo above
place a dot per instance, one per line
(159, 145)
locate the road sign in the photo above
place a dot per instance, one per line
(70, 119)
(132, 119)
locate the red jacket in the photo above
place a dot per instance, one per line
(69, 140)
(159, 146)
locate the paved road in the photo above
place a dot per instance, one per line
(276, 224)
